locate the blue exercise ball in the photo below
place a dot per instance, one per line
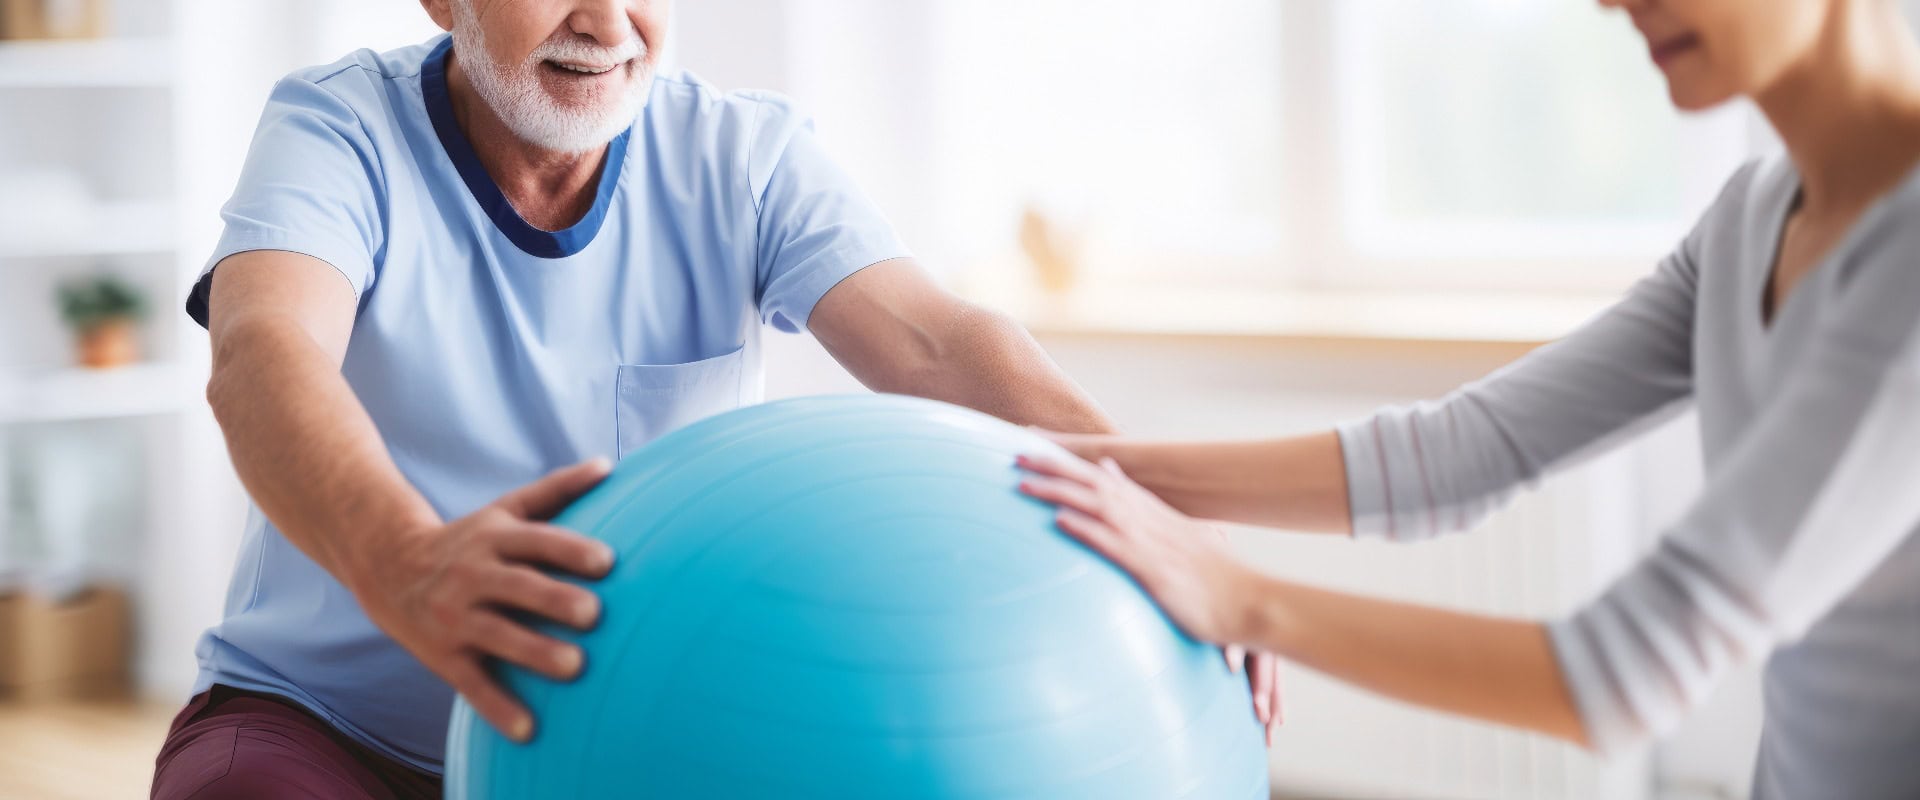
(847, 597)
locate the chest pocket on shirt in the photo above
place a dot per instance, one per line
(651, 400)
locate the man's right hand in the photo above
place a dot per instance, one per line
(445, 593)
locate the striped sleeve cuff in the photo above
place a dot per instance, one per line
(1650, 648)
(1602, 713)
(1390, 491)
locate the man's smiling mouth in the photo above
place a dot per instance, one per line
(584, 69)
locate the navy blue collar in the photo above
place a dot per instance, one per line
(536, 242)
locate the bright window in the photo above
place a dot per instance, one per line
(1155, 128)
(1473, 144)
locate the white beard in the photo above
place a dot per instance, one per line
(516, 96)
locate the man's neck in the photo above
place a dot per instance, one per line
(550, 190)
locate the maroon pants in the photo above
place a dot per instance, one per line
(230, 743)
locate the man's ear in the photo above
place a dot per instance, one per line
(441, 11)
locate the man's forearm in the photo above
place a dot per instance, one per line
(305, 449)
(994, 365)
(897, 331)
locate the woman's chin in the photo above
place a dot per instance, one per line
(1692, 96)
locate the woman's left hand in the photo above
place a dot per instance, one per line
(1182, 563)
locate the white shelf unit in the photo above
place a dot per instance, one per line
(155, 121)
(76, 394)
(110, 126)
(106, 229)
(123, 61)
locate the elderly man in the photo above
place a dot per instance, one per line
(453, 268)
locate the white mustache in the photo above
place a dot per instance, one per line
(571, 50)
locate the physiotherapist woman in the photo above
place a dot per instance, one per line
(1788, 317)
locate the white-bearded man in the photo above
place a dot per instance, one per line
(455, 275)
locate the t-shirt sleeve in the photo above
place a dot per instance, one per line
(815, 226)
(311, 185)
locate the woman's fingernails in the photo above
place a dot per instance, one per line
(522, 728)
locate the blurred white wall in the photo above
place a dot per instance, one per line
(857, 66)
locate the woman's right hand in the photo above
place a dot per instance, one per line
(446, 593)
(1095, 499)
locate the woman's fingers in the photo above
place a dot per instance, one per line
(1058, 466)
(1063, 492)
(1262, 678)
(1279, 706)
(1097, 535)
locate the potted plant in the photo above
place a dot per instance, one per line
(102, 312)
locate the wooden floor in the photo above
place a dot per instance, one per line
(104, 751)
(74, 751)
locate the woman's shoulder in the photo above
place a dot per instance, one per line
(1763, 182)
(1740, 216)
(1874, 263)
(1763, 189)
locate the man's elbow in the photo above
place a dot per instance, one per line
(223, 379)
(975, 341)
(239, 347)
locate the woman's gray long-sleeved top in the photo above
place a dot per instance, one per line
(1803, 541)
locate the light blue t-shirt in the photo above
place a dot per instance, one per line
(489, 352)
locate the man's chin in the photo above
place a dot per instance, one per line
(571, 120)
(565, 130)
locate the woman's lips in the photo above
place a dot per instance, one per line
(1666, 50)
